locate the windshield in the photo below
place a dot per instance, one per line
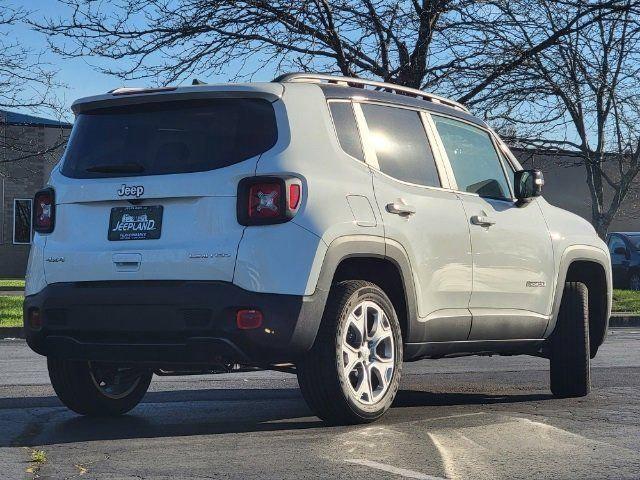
(168, 137)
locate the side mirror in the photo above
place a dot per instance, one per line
(620, 251)
(528, 184)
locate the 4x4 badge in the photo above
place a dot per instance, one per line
(131, 191)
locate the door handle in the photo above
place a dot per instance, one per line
(482, 220)
(399, 207)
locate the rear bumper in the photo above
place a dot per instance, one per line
(170, 322)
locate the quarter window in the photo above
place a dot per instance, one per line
(473, 157)
(22, 221)
(401, 144)
(347, 128)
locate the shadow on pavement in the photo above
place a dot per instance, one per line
(416, 398)
(177, 414)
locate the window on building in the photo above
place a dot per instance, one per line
(22, 221)
(347, 128)
(401, 144)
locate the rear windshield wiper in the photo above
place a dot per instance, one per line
(116, 168)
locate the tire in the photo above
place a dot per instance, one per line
(634, 281)
(570, 355)
(341, 383)
(79, 387)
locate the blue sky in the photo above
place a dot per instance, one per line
(79, 74)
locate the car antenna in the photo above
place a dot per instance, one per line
(197, 82)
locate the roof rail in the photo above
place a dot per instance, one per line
(363, 83)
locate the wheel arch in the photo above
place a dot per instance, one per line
(371, 258)
(591, 266)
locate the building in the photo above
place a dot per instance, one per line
(566, 187)
(29, 148)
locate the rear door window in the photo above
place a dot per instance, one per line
(401, 144)
(169, 137)
(473, 157)
(344, 121)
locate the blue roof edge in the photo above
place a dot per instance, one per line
(15, 118)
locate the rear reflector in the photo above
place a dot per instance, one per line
(34, 321)
(248, 319)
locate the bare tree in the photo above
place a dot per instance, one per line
(27, 82)
(581, 95)
(418, 43)
(541, 63)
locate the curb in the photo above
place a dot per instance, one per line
(624, 320)
(616, 320)
(11, 332)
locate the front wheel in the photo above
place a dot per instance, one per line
(98, 389)
(351, 374)
(570, 354)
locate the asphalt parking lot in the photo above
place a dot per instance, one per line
(466, 418)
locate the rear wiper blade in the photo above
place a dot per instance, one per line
(116, 168)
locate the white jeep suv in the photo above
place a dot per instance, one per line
(332, 227)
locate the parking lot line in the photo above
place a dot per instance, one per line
(403, 472)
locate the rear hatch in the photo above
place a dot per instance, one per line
(147, 191)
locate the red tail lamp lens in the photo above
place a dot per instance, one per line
(44, 211)
(264, 200)
(249, 319)
(294, 196)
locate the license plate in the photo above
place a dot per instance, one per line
(135, 223)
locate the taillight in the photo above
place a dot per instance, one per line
(268, 200)
(295, 189)
(44, 211)
(265, 200)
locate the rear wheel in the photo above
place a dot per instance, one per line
(98, 389)
(352, 373)
(570, 356)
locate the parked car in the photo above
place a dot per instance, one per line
(332, 227)
(625, 259)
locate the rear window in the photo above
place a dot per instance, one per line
(168, 137)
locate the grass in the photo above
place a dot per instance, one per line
(38, 459)
(38, 456)
(11, 283)
(626, 301)
(11, 311)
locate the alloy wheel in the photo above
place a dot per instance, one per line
(114, 382)
(368, 352)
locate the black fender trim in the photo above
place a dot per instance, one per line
(369, 246)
